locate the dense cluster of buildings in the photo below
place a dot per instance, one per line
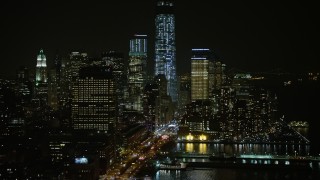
(73, 120)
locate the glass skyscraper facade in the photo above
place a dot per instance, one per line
(165, 48)
(137, 71)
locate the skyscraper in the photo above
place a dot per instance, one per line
(24, 85)
(76, 61)
(201, 61)
(164, 112)
(137, 71)
(184, 90)
(41, 83)
(115, 60)
(165, 47)
(41, 68)
(219, 76)
(94, 100)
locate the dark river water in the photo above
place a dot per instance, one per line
(237, 173)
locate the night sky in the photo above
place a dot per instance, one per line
(250, 36)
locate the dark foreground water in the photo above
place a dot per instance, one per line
(231, 174)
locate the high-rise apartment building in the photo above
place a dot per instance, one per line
(94, 100)
(165, 46)
(137, 71)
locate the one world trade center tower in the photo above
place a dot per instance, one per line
(165, 47)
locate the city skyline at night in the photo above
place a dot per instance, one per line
(251, 37)
(159, 89)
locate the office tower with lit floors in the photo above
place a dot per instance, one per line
(70, 71)
(201, 61)
(94, 100)
(165, 46)
(137, 71)
(115, 60)
(219, 77)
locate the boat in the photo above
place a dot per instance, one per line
(174, 164)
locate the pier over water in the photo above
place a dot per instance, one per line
(253, 155)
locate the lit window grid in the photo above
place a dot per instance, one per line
(165, 55)
(199, 79)
(94, 104)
